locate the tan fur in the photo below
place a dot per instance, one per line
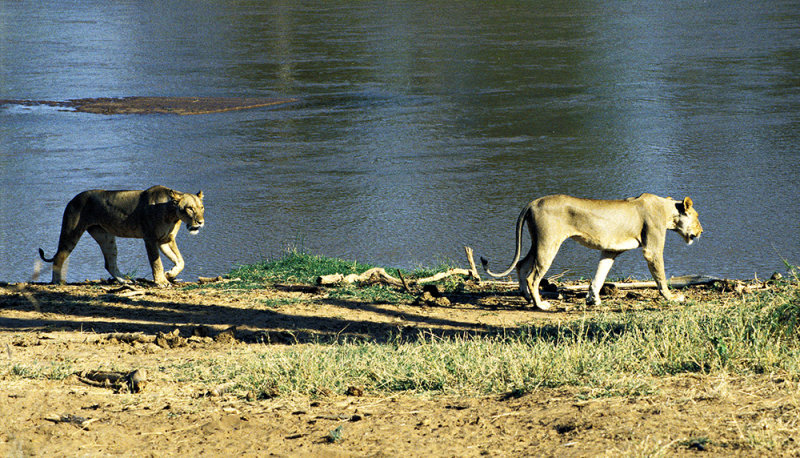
(611, 226)
(154, 215)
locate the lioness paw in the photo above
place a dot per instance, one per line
(543, 306)
(678, 297)
(591, 299)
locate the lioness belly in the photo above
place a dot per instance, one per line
(607, 245)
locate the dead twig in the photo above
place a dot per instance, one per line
(405, 283)
(472, 268)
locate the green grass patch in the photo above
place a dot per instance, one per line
(278, 302)
(373, 293)
(55, 370)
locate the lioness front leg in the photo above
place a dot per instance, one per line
(606, 261)
(155, 263)
(170, 250)
(655, 262)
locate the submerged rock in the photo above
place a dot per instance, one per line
(163, 105)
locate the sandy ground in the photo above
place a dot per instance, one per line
(690, 414)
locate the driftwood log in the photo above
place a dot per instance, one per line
(379, 275)
(674, 282)
(133, 381)
(371, 276)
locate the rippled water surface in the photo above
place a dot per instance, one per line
(420, 127)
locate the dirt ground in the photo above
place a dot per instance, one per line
(690, 414)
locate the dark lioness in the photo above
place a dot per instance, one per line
(154, 215)
(611, 226)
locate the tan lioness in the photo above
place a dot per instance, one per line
(611, 226)
(154, 215)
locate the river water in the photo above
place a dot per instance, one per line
(421, 127)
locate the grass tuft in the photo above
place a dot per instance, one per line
(296, 267)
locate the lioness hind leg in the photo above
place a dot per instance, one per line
(60, 266)
(108, 245)
(66, 243)
(524, 269)
(171, 251)
(531, 271)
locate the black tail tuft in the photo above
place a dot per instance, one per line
(485, 263)
(41, 255)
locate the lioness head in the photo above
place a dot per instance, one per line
(190, 209)
(687, 223)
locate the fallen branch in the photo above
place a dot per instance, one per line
(130, 337)
(371, 276)
(77, 420)
(134, 381)
(674, 282)
(443, 275)
(379, 275)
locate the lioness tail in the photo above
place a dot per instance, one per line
(41, 255)
(520, 224)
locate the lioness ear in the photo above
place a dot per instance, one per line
(174, 195)
(687, 202)
(200, 194)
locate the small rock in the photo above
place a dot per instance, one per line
(432, 291)
(226, 336)
(429, 299)
(608, 289)
(137, 380)
(355, 391)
